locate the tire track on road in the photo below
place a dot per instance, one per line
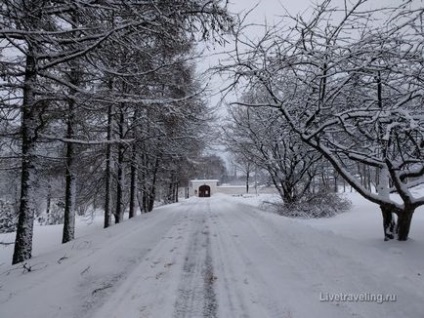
(210, 304)
(196, 295)
(237, 295)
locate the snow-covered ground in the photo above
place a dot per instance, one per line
(220, 257)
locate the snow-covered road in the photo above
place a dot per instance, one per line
(212, 257)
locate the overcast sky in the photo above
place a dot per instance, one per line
(268, 8)
(273, 8)
(271, 12)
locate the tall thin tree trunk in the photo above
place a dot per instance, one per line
(170, 193)
(48, 201)
(70, 187)
(133, 183)
(119, 213)
(143, 183)
(150, 195)
(247, 178)
(336, 186)
(108, 172)
(134, 166)
(24, 231)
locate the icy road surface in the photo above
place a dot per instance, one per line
(212, 257)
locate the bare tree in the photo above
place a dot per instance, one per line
(348, 82)
(264, 139)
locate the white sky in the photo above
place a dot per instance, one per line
(273, 8)
(268, 8)
(270, 12)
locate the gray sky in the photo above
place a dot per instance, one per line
(273, 8)
(271, 12)
(269, 9)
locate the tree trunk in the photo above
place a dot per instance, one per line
(24, 230)
(388, 223)
(247, 179)
(383, 192)
(70, 193)
(148, 200)
(324, 180)
(119, 213)
(170, 193)
(134, 166)
(133, 183)
(150, 194)
(143, 183)
(70, 188)
(336, 186)
(48, 201)
(108, 172)
(404, 223)
(369, 178)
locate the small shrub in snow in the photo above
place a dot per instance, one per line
(315, 205)
(8, 217)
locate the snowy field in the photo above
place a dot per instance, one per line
(220, 257)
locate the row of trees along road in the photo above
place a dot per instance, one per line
(346, 85)
(99, 100)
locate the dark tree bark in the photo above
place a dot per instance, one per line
(134, 166)
(108, 172)
(70, 187)
(119, 212)
(404, 223)
(336, 185)
(24, 231)
(388, 223)
(247, 178)
(48, 200)
(170, 194)
(133, 183)
(149, 192)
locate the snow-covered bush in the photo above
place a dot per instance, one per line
(314, 205)
(8, 217)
